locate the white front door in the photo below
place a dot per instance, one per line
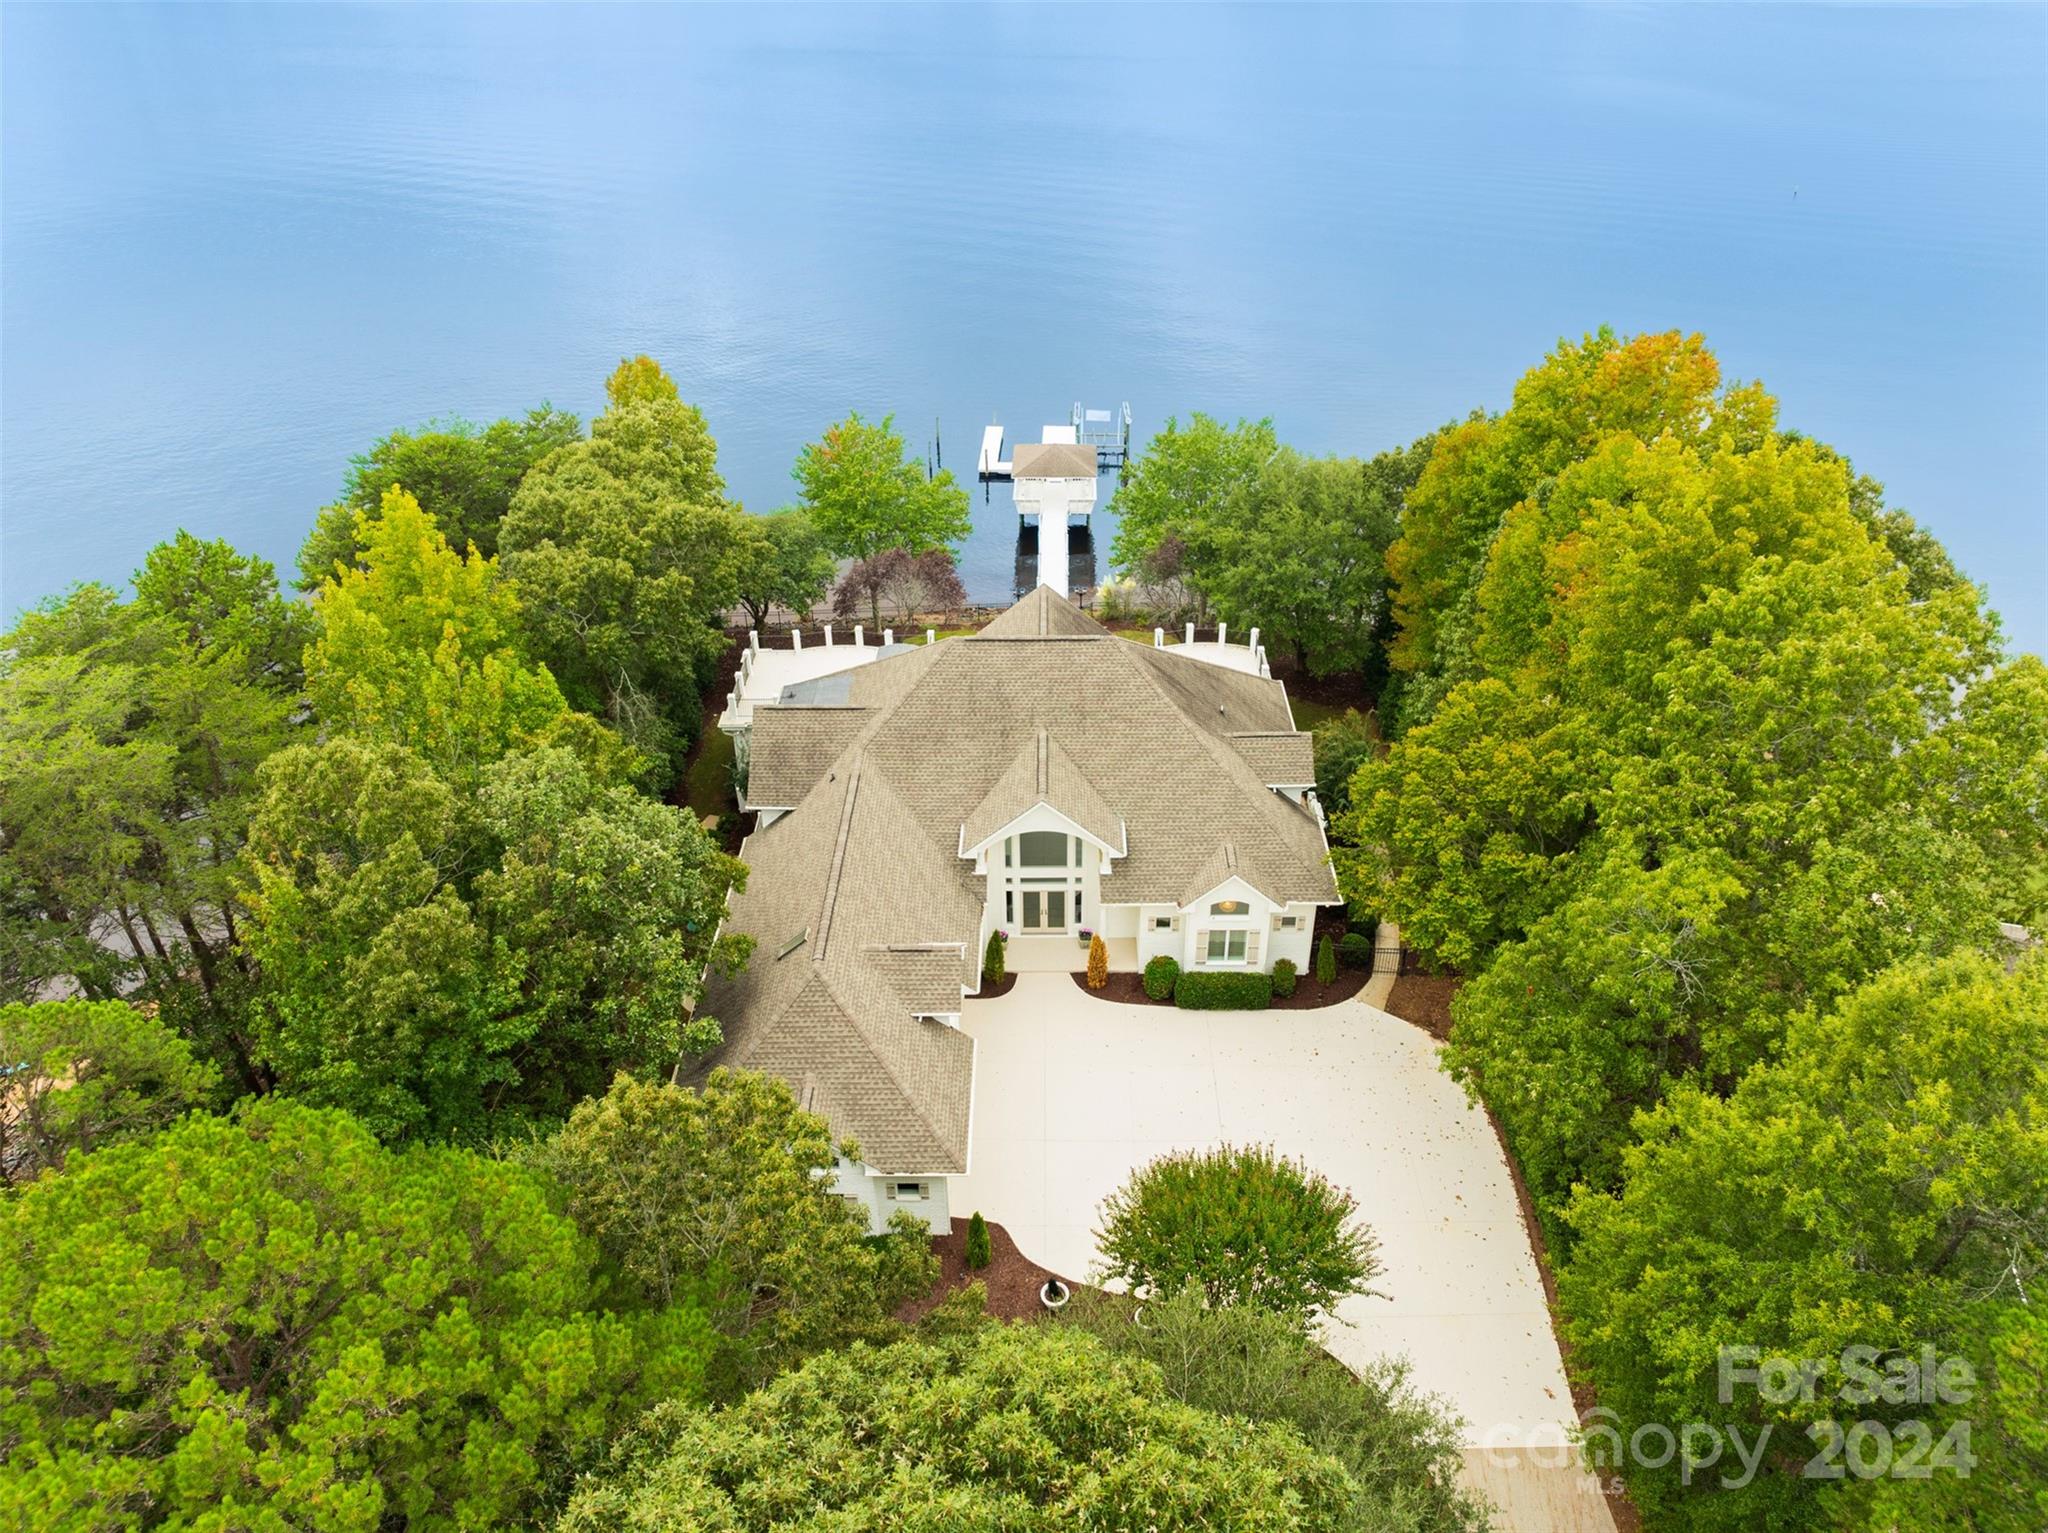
(1044, 910)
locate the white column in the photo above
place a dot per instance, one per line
(859, 637)
(1222, 633)
(796, 638)
(888, 637)
(1191, 633)
(931, 636)
(754, 639)
(828, 636)
(1159, 638)
(1252, 643)
(1052, 550)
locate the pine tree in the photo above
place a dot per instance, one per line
(1098, 962)
(977, 1242)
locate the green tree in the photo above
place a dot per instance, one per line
(1342, 745)
(725, 1195)
(1015, 1427)
(640, 381)
(1301, 554)
(461, 474)
(627, 559)
(792, 568)
(1246, 1224)
(443, 966)
(269, 1321)
(130, 734)
(1185, 488)
(1403, 1449)
(224, 601)
(1584, 393)
(1878, 1184)
(865, 497)
(422, 647)
(82, 1074)
(977, 1251)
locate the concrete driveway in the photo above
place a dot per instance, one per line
(1073, 1093)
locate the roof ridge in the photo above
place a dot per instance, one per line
(912, 1100)
(824, 942)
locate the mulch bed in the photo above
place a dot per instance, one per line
(1425, 1000)
(1012, 1280)
(1130, 990)
(989, 992)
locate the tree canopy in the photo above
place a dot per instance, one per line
(462, 475)
(1012, 1427)
(130, 737)
(269, 1321)
(627, 558)
(724, 1195)
(1878, 1184)
(82, 1074)
(792, 568)
(1402, 1449)
(443, 964)
(865, 497)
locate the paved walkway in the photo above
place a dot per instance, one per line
(1073, 1093)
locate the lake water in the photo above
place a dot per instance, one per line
(242, 243)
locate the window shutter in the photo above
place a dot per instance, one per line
(1201, 945)
(1251, 948)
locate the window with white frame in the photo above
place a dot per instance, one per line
(1226, 946)
(1162, 923)
(1230, 908)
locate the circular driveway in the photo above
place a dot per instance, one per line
(1072, 1093)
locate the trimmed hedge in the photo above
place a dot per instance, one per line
(978, 1252)
(993, 960)
(1326, 962)
(1355, 950)
(1284, 974)
(1224, 990)
(1161, 974)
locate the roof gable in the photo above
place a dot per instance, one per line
(1042, 774)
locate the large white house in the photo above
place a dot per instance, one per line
(1041, 778)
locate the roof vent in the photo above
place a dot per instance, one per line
(793, 944)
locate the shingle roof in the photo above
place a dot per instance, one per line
(1043, 773)
(1053, 460)
(1281, 760)
(1162, 754)
(828, 1010)
(789, 749)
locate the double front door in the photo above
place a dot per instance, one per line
(1044, 910)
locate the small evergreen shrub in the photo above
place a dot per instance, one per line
(977, 1242)
(1283, 977)
(992, 969)
(1354, 950)
(1098, 962)
(1224, 990)
(1161, 974)
(1326, 962)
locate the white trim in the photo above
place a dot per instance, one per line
(980, 848)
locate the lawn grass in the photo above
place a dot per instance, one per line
(1309, 715)
(707, 785)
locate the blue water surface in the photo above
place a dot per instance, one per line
(238, 244)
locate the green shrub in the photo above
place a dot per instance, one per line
(977, 1242)
(1247, 1224)
(1355, 949)
(1326, 962)
(1283, 978)
(992, 969)
(1223, 990)
(1161, 974)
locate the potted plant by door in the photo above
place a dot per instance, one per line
(1085, 935)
